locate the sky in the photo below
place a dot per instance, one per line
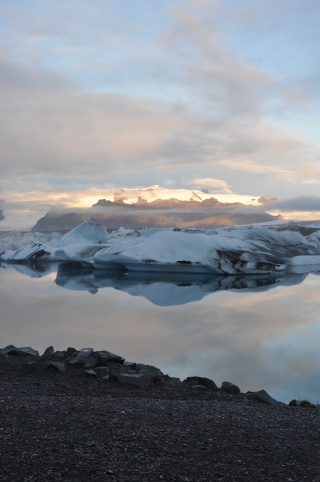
(196, 94)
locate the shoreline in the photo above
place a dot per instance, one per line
(109, 367)
(68, 425)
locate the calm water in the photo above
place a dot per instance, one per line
(257, 333)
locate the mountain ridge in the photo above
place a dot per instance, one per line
(156, 213)
(157, 192)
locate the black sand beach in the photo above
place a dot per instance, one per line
(71, 426)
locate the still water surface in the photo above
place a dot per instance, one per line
(257, 333)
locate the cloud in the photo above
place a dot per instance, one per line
(49, 127)
(302, 203)
(302, 208)
(218, 185)
(220, 80)
(167, 95)
(250, 166)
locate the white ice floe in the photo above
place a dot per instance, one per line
(250, 249)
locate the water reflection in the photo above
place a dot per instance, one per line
(254, 331)
(163, 289)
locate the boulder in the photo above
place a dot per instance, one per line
(136, 379)
(264, 397)
(22, 351)
(60, 353)
(105, 356)
(86, 357)
(168, 379)
(71, 352)
(87, 361)
(48, 353)
(57, 365)
(129, 364)
(230, 387)
(151, 371)
(206, 382)
(86, 351)
(91, 362)
(116, 368)
(148, 370)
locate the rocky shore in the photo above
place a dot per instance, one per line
(77, 415)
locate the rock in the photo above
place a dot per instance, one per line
(135, 379)
(75, 361)
(14, 351)
(149, 370)
(6, 349)
(294, 403)
(60, 354)
(129, 364)
(91, 362)
(103, 370)
(230, 387)
(206, 382)
(84, 357)
(86, 351)
(116, 368)
(264, 397)
(48, 353)
(105, 356)
(57, 365)
(173, 380)
(71, 352)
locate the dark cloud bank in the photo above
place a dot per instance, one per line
(301, 204)
(1, 210)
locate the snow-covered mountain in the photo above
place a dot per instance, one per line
(156, 206)
(156, 192)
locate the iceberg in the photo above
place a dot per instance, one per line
(254, 249)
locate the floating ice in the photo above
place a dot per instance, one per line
(251, 249)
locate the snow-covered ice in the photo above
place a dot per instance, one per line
(254, 249)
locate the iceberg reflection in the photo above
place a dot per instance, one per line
(164, 289)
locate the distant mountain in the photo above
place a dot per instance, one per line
(140, 208)
(171, 203)
(156, 192)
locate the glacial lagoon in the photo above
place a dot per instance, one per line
(257, 332)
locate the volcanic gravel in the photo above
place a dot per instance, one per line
(68, 426)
